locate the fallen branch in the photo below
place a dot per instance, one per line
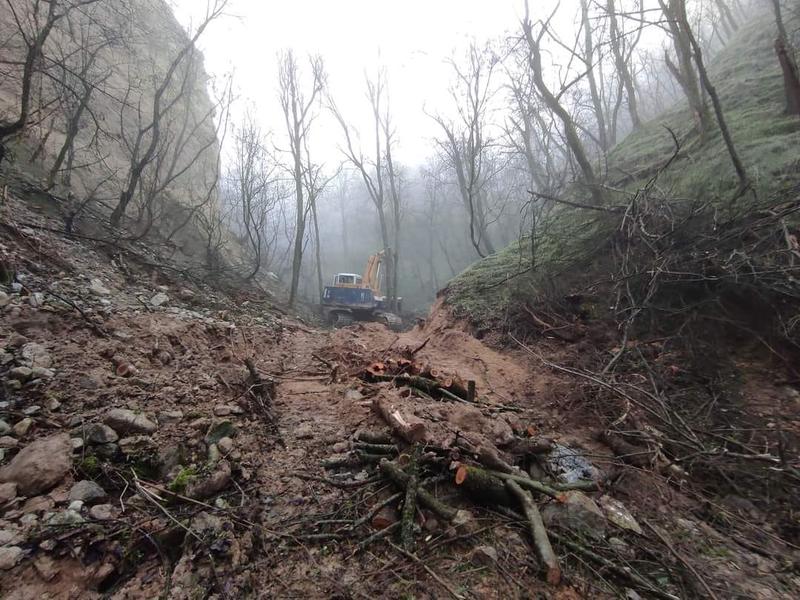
(538, 532)
(410, 502)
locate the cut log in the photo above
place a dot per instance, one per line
(369, 436)
(525, 482)
(410, 432)
(538, 532)
(483, 487)
(447, 513)
(410, 502)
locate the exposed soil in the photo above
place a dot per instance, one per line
(256, 535)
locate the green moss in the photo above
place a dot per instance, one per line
(182, 480)
(89, 466)
(570, 242)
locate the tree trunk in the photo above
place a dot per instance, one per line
(622, 67)
(791, 79)
(588, 59)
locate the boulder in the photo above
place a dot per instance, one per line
(97, 433)
(40, 466)
(127, 421)
(87, 491)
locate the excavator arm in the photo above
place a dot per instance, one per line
(372, 272)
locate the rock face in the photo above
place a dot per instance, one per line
(40, 466)
(126, 421)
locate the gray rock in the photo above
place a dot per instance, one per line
(22, 427)
(9, 536)
(14, 385)
(4, 427)
(9, 557)
(76, 505)
(186, 294)
(618, 514)
(8, 442)
(40, 466)
(577, 513)
(225, 445)
(5, 357)
(170, 416)
(97, 288)
(20, 373)
(66, 518)
(8, 491)
(42, 373)
(52, 404)
(36, 355)
(219, 429)
(98, 433)
(87, 491)
(106, 451)
(46, 567)
(304, 432)
(223, 410)
(102, 512)
(77, 444)
(214, 454)
(570, 465)
(159, 299)
(127, 421)
(4, 299)
(32, 410)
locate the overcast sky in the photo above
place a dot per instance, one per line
(412, 39)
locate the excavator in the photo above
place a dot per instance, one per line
(354, 297)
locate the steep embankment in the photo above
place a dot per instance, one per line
(571, 243)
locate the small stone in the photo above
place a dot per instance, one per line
(186, 294)
(9, 557)
(20, 373)
(215, 483)
(4, 299)
(14, 385)
(126, 369)
(170, 416)
(8, 491)
(45, 567)
(38, 504)
(32, 410)
(4, 427)
(127, 421)
(52, 404)
(98, 433)
(385, 517)
(618, 514)
(304, 432)
(341, 447)
(77, 444)
(159, 299)
(22, 427)
(107, 451)
(36, 355)
(484, 556)
(225, 445)
(222, 410)
(97, 288)
(102, 512)
(87, 491)
(42, 373)
(213, 454)
(353, 395)
(8, 442)
(10, 537)
(66, 518)
(76, 505)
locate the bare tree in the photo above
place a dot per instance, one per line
(143, 149)
(298, 110)
(34, 24)
(466, 144)
(621, 61)
(791, 76)
(570, 130)
(373, 173)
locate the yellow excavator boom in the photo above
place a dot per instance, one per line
(372, 272)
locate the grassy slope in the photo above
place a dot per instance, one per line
(747, 77)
